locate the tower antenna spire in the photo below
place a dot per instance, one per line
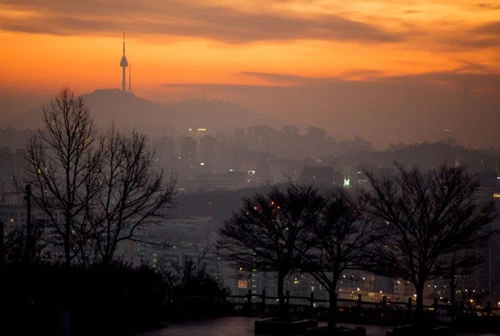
(123, 65)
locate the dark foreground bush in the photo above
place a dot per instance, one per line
(197, 296)
(99, 299)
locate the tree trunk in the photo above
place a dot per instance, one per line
(281, 296)
(332, 299)
(29, 248)
(106, 261)
(419, 308)
(67, 244)
(107, 258)
(453, 287)
(332, 309)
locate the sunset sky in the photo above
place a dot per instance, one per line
(235, 49)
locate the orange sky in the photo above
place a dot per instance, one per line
(48, 44)
(410, 68)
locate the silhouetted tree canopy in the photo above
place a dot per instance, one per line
(94, 190)
(342, 234)
(131, 193)
(273, 231)
(63, 168)
(421, 220)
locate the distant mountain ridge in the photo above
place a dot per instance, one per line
(127, 111)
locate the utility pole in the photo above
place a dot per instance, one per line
(28, 253)
(1, 245)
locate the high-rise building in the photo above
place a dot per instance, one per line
(189, 151)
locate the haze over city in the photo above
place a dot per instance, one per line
(388, 71)
(244, 167)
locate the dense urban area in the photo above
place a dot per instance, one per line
(198, 190)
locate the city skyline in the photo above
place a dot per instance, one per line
(421, 67)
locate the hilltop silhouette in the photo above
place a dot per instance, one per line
(128, 111)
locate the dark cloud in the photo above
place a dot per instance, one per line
(61, 25)
(490, 29)
(218, 23)
(467, 43)
(300, 81)
(278, 79)
(483, 36)
(482, 80)
(481, 75)
(231, 87)
(473, 67)
(367, 73)
(488, 6)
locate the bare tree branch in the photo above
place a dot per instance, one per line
(421, 219)
(62, 167)
(132, 194)
(272, 231)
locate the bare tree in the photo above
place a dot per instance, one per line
(272, 232)
(421, 218)
(95, 191)
(131, 194)
(342, 235)
(62, 167)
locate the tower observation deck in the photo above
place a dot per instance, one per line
(123, 65)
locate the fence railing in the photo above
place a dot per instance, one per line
(259, 302)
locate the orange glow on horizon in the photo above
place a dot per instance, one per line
(44, 62)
